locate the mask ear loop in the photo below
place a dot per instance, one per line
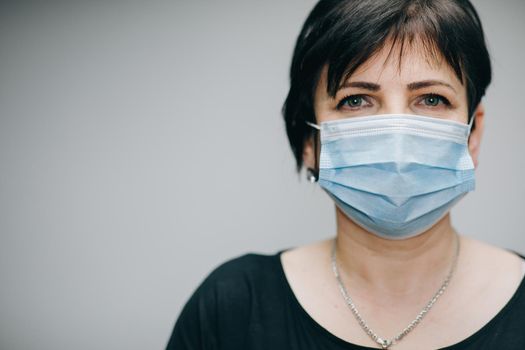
(471, 123)
(316, 166)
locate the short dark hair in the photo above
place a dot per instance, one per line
(343, 34)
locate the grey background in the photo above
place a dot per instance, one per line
(141, 145)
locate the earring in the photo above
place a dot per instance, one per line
(311, 175)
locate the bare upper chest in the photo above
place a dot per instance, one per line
(481, 288)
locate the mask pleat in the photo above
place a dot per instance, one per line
(395, 175)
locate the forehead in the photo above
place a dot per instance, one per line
(407, 61)
(402, 63)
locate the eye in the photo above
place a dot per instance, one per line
(433, 100)
(352, 102)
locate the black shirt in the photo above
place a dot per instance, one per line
(247, 304)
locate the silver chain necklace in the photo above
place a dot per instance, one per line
(384, 343)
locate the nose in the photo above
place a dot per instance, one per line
(396, 103)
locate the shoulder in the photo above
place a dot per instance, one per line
(501, 292)
(220, 308)
(246, 269)
(235, 283)
(487, 275)
(248, 263)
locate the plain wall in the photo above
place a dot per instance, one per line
(141, 145)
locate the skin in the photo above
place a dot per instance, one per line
(390, 281)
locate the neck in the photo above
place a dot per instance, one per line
(395, 267)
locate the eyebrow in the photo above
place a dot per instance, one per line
(412, 86)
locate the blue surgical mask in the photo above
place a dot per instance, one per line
(395, 175)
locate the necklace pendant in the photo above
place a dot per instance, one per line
(385, 344)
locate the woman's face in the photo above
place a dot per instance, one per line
(380, 86)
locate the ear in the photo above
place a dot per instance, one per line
(309, 152)
(476, 134)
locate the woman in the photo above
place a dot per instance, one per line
(385, 113)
